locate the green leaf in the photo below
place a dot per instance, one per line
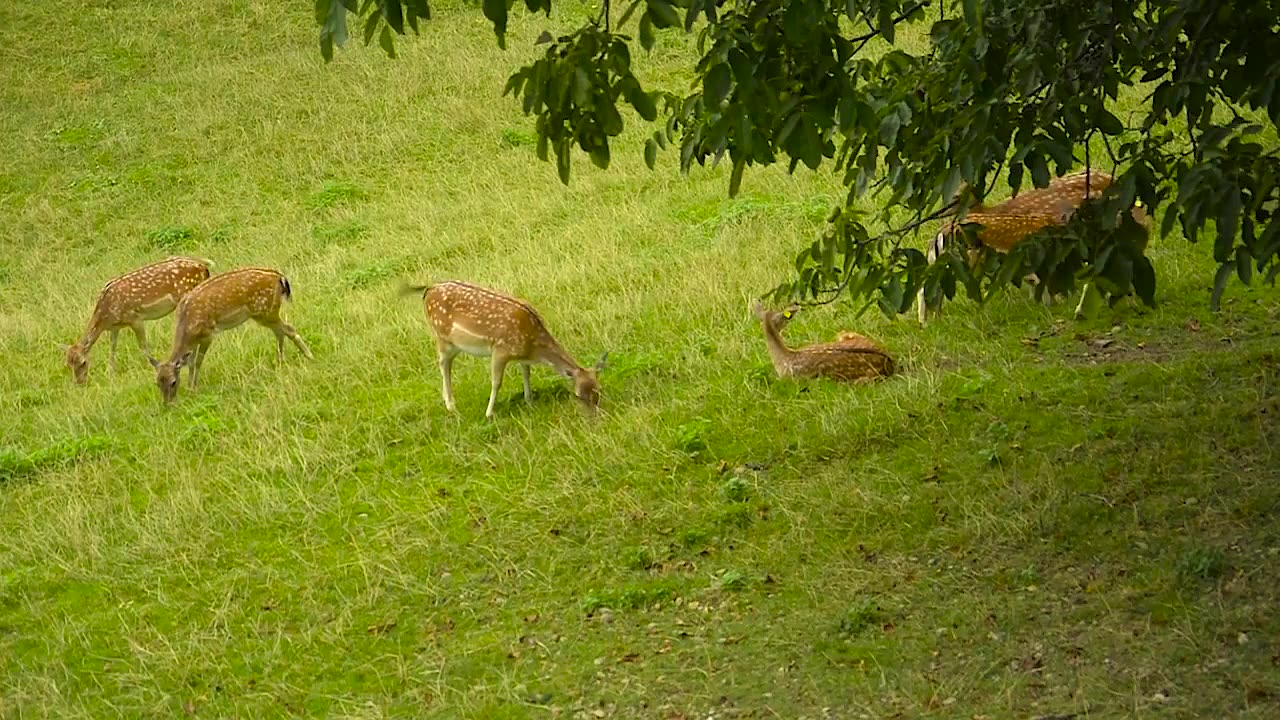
(889, 127)
(1039, 169)
(581, 86)
(973, 14)
(1220, 284)
(1244, 265)
(388, 45)
(1061, 152)
(715, 86)
(1228, 222)
(562, 161)
(1107, 123)
(607, 114)
(600, 156)
(332, 16)
(496, 11)
(735, 178)
(394, 14)
(371, 27)
(1144, 280)
(664, 16)
(650, 153)
(646, 32)
(885, 18)
(626, 14)
(951, 184)
(643, 103)
(1015, 178)
(1170, 219)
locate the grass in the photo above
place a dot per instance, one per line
(1040, 517)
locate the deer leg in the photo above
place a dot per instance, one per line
(447, 354)
(1084, 292)
(279, 344)
(293, 335)
(197, 361)
(284, 330)
(115, 335)
(140, 332)
(496, 370)
(524, 374)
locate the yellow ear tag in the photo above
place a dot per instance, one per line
(787, 314)
(1137, 203)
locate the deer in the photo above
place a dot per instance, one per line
(147, 293)
(851, 357)
(477, 321)
(221, 303)
(1008, 223)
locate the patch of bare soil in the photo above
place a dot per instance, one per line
(1111, 346)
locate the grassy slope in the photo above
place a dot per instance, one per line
(1012, 528)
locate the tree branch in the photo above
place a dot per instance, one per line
(903, 16)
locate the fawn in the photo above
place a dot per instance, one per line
(221, 303)
(148, 293)
(851, 357)
(469, 319)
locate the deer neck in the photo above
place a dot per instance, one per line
(550, 352)
(91, 333)
(778, 350)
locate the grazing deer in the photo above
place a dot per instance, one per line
(473, 320)
(148, 293)
(851, 357)
(221, 303)
(1008, 223)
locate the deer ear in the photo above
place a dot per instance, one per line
(601, 361)
(154, 362)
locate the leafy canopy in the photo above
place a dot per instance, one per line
(1006, 89)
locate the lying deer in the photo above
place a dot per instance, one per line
(1012, 221)
(148, 293)
(473, 320)
(851, 357)
(221, 303)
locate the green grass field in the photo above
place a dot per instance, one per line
(1039, 518)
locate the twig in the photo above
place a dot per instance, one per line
(899, 232)
(1115, 161)
(895, 21)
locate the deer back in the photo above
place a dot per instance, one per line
(228, 299)
(1001, 232)
(465, 314)
(151, 291)
(841, 362)
(1061, 198)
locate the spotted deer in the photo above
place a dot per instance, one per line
(852, 357)
(1008, 223)
(220, 303)
(148, 293)
(470, 319)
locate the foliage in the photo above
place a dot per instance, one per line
(1003, 89)
(325, 539)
